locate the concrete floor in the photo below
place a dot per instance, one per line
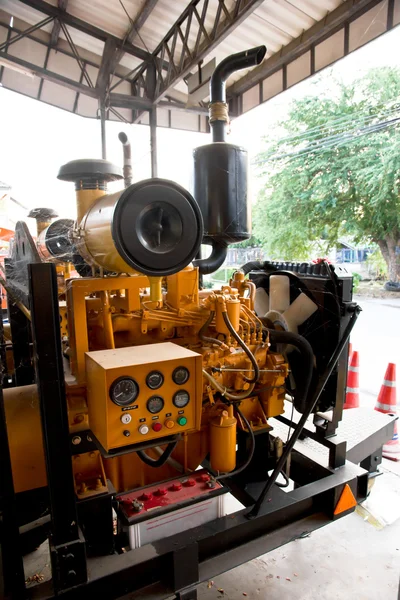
(352, 558)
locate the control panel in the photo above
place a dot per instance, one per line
(142, 393)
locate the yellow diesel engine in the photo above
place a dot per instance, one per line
(150, 360)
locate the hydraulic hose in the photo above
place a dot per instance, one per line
(204, 328)
(254, 265)
(306, 351)
(244, 347)
(214, 261)
(158, 462)
(310, 407)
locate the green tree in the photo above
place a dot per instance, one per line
(335, 171)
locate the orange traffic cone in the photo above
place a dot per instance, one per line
(386, 402)
(350, 351)
(352, 389)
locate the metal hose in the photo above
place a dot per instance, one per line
(306, 351)
(244, 347)
(204, 328)
(225, 392)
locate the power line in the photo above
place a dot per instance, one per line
(331, 141)
(335, 124)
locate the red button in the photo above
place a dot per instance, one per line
(175, 487)
(157, 426)
(160, 492)
(189, 483)
(204, 478)
(145, 496)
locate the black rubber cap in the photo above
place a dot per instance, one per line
(157, 227)
(90, 169)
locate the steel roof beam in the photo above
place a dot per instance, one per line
(225, 22)
(25, 33)
(112, 56)
(117, 100)
(37, 40)
(125, 101)
(346, 12)
(180, 107)
(55, 33)
(107, 66)
(80, 25)
(50, 76)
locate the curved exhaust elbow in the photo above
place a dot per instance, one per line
(235, 62)
(214, 261)
(127, 168)
(218, 110)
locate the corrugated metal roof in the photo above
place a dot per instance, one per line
(275, 23)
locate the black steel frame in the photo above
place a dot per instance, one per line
(155, 569)
(66, 542)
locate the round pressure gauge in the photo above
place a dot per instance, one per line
(154, 380)
(124, 391)
(181, 399)
(155, 404)
(180, 375)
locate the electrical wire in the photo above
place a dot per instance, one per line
(291, 421)
(338, 123)
(157, 462)
(329, 142)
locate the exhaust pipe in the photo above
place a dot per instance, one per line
(127, 168)
(220, 171)
(219, 116)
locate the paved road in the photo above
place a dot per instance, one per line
(376, 336)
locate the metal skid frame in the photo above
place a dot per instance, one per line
(155, 570)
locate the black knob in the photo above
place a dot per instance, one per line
(127, 433)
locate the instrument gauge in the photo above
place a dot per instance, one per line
(155, 404)
(124, 391)
(180, 375)
(154, 380)
(181, 398)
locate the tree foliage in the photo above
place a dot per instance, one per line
(335, 171)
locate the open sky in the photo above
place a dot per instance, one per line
(36, 139)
